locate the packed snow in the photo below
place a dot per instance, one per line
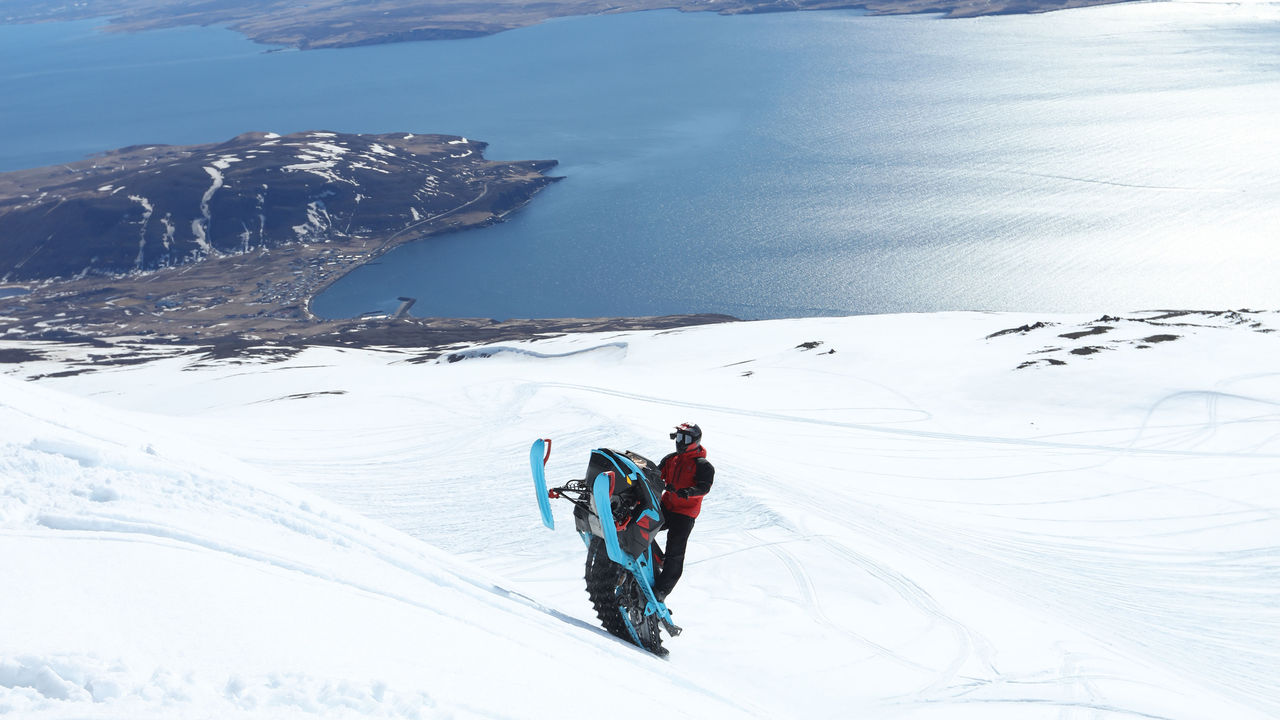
(224, 162)
(321, 159)
(200, 226)
(914, 516)
(147, 210)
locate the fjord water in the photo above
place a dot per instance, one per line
(1107, 159)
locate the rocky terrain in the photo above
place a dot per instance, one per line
(335, 23)
(1061, 344)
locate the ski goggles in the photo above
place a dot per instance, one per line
(682, 437)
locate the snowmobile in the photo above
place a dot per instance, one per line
(617, 512)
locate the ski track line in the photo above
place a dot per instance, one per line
(1212, 398)
(98, 528)
(933, 435)
(488, 351)
(1065, 704)
(1069, 677)
(348, 534)
(1053, 580)
(319, 526)
(808, 593)
(95, 528)
(1172, 612)
(968, 642)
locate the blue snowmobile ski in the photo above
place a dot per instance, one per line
(617, 512)
(538, 456)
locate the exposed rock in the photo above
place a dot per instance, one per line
(1022, 330)
(1134, 331)
(1093, 330)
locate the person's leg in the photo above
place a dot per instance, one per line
(678, 529)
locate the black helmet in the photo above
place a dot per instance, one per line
(686, 434)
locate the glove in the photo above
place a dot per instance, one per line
(669, 488)
(684, 492)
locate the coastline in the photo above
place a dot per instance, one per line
(357, 197)
(412, 234)
(337, 25)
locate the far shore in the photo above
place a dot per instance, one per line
(335, 24)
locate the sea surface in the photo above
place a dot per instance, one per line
(792, 164)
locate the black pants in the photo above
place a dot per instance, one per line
(678, 529)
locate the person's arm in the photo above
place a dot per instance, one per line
(702, 479)
(662, 470)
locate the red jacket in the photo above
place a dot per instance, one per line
(688, 469)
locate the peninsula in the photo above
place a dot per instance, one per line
(336, 23)
(226, 244)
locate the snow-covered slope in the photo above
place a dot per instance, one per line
(915, 516)
(145, 575)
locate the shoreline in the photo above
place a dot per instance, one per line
(330, 26)
(357, 197)
(391, 243)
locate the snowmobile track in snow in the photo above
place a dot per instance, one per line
(928, 434)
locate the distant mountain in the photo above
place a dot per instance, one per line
(146, 208)
(338, 23)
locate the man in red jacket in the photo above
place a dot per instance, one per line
(687, 476)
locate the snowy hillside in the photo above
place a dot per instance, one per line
(919, 516)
